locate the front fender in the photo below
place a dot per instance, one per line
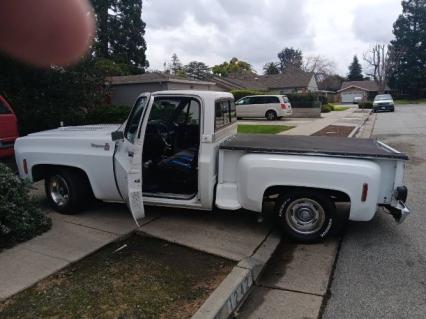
(258, 172)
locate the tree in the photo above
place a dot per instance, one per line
(290, 59)
(234, 66)
(120, 32)
(331, 83)
(175, 65)
(380, 66)
(355, 70)
(127, 42)
(319, 65)
(408, 50)
(196, 70)
(271, 68)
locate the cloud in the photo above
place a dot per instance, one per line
(217, 30)
(373, 22)
(213, 31)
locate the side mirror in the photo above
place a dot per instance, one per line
(117, 135)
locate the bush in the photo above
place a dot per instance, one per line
(20, 218)
(304, 100)
(326, 108)
(239, 94)
(107, 114)
(365, 105)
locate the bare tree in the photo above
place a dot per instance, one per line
(380, 65)
(319, 65)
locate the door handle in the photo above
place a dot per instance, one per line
(131, 154)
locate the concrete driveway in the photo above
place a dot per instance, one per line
(381, 268)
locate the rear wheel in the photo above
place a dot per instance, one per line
(68, 191)
(306, 216)
(271, 115)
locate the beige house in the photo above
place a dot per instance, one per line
(353, 90)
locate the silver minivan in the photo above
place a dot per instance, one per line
(271, 107)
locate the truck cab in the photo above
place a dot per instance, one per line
(181, 149)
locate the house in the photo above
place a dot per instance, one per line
(289, 82)
(125, 89)
(366, 90)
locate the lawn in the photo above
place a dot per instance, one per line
(403, 102)
(262, 129)
(340, 108)
(139, 277)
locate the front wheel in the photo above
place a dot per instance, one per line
(67, 191)
(306, 216)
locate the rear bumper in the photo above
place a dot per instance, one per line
(399, 212)
(383, 108)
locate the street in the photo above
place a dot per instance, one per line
(381, 266)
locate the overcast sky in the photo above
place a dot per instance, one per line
(213, 31)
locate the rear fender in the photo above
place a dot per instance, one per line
(258, 172)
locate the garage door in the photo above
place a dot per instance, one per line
(349, 97)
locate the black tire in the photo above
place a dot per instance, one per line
(76, 187)
(271, 115)
(311, 203)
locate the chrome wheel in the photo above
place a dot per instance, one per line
(305, 216)
(59, 190)
(270, 116)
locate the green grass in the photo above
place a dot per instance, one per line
(340, 108)
(404, 102)
(263, 129)
(147, 278)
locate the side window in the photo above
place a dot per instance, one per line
(4, 109)
(273, 99)
(134, 119)
(243, 101)
(256, 100)
(225, 113)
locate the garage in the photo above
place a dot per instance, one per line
(349, 97)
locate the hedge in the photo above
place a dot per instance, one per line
(365, 105)
(20, 218)
(327, 108)
(304, 100)
(107, 114)
(239, 94)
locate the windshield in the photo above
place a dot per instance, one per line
(383, 97)
(134, 119)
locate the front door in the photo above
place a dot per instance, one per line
(128, 160)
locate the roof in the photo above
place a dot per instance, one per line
(152, 78)
(370, 86)
(267, 82)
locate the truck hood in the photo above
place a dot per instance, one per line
(102, 131)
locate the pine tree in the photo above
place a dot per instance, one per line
(175, 65)
(408, 50)
(355, 71)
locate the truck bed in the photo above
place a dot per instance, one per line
(311, 146)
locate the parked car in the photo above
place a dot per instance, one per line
(8, 128)
(180, 149)
(383, 102)
(270, 106)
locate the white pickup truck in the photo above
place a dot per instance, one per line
(181, 149)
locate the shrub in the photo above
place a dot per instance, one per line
(365, 105)
(326, 108)
(239, 94)
(304, 100)
(107, 114)
(20, 218)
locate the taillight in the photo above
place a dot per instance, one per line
(364, 192)
(25, 166)
(283, 106)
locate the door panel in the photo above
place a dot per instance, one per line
(128, 160)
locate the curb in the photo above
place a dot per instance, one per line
(358, 127)
(236, 286)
